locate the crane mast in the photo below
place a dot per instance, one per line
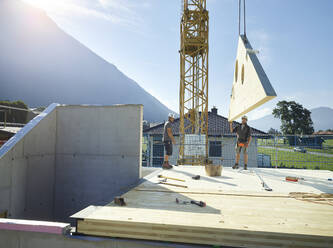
(193, 98)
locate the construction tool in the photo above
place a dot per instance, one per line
(197, 177)
(182, 202)
(119, 201)
(294, 179)
(171, 178)
(171, 184)
(264, 185)
(198, 203)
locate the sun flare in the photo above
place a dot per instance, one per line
(50, 5)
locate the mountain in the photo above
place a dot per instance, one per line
(41, 64)
(265, 123)
(322, 118)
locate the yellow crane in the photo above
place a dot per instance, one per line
(193, 97)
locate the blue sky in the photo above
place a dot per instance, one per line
(141, 38)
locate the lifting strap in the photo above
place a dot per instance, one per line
(239, 17)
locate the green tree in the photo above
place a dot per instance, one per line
(13, 115)
(273, 131)
(295, 119)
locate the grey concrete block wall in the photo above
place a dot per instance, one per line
(70, 157)
(5, 181)
(99, 130)
(27, 169)
(21, 239)
(19, 170)
(98, 154)
(39, 150)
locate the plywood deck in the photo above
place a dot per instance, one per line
(238, 213)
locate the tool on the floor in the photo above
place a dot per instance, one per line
(171, 184)
(171, 178)
(182, 202)
(264, 185)
(197, 177)
(294, 179)
(119, 201)
(198, 203)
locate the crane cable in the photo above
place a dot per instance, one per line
(239, 17)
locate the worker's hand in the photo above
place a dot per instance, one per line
(173, 141)
(246, 145)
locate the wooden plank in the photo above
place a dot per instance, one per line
(289, 215)
(211, 236)
(235, 215)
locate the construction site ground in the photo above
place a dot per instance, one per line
(239, 212)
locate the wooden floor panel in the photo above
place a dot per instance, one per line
(241, 216)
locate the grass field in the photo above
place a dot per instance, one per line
(296, 159)
(327, 146)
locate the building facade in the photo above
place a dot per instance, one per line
(221, 144)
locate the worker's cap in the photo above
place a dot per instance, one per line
(244, 117)
(171, 115)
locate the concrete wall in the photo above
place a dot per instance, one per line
(70, 157)
(27, 169)
(98, 153)
(21, 239)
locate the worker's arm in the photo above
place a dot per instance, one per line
(249, 141)
(231, 129)
(249, 138)
(171, 135)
